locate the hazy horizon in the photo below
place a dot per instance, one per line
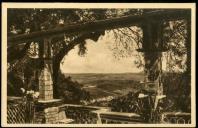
(99, 59)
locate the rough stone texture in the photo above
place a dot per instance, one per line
(52, 115)
(45, 84)
(49, 116)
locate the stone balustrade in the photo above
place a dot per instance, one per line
(103, 115)
(82, 114)
(120, 118)
(96, 115)
(176, 118)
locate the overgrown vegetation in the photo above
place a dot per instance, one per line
(71, 91)
(176, 87)
(14, 84)
(177, 98)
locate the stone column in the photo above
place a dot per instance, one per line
(47, 110)
(45, 78)
(152, 48)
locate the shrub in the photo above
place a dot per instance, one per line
(71, 91)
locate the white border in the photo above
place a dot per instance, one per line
(191, 6)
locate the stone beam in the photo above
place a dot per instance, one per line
(131, 20)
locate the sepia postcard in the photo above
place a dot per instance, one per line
(98, 65)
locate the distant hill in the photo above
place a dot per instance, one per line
(110, 84)
(86, 78)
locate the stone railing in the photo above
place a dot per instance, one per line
(103, 115)
(82, 114)
(67, 113)
(107, 117)
(176, 118)
(98, 115)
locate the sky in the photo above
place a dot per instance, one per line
(99, 59)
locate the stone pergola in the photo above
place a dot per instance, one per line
(151, 24)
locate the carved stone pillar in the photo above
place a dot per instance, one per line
(152, 48)
(47, 108)
(45, 78)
